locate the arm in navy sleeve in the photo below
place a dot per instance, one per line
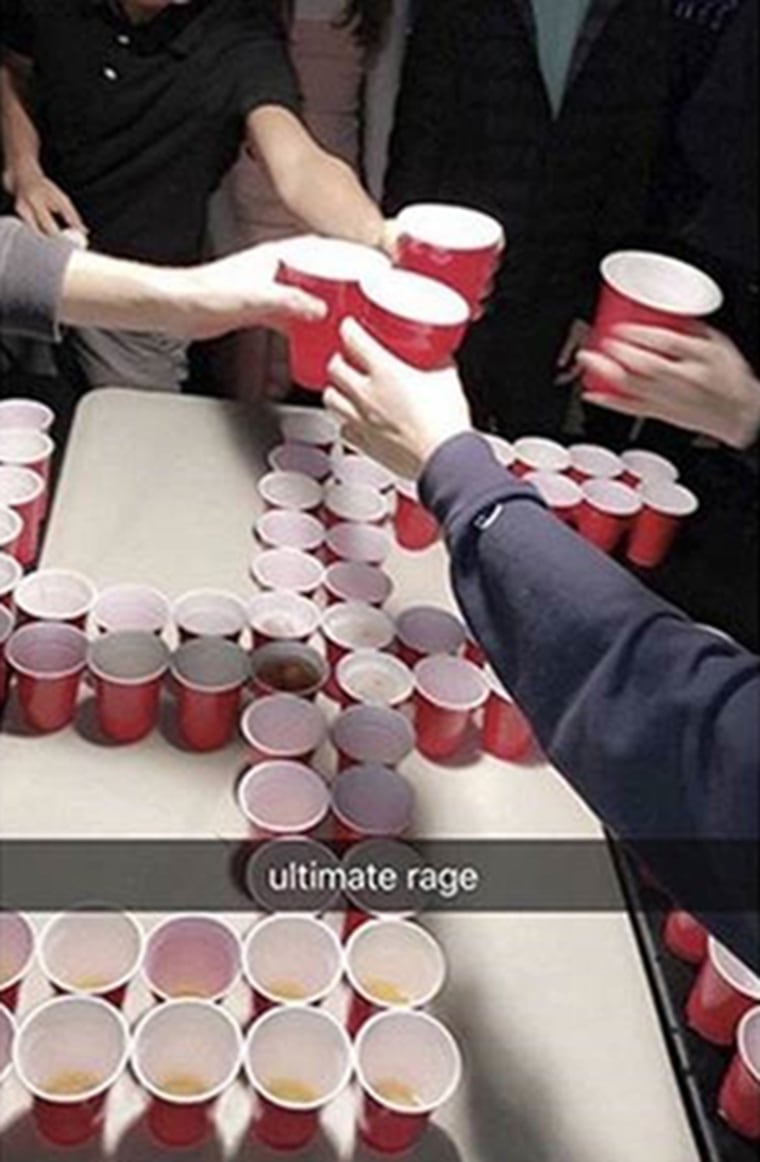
(32, 271)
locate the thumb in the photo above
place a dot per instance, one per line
(292, 303)
(363, 346)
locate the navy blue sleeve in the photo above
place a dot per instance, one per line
(653, 720)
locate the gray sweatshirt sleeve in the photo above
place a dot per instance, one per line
(31, 280)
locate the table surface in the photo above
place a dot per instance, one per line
(565, 1057)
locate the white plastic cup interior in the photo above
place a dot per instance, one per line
(416, 299)
(451, 227)
(288, 569)
(17, 948)
(19, 485)
(555, 489)
(398, 959)
(210, 664)
(373, 800)
(541, 454)
(502, 449)
(451, 683)
(356, 502)
(612, 498)
(192, 1042)
(669, 499)
(282, 797)
(10, 574)
(55, 594)
(373, 734)
(88, 952)
(595, 461)
(196, 957)
(71, 1035)
(353, 469)
(649, 466)
(290, 490)
(733, 971)
(293, 959)
(301, 1045)
(359, 542)
(283, 725)
(332, 259)
(210, 613)
(748, 1042)
(310, 426)
(356, 626)
(293, 655)
(430, 630)
(47, 650)
(11, 526)
(374, 678)
(295, 457)
(283, 615)
(24, 446)
(662, 283)
(353, 581)
(128, 657)
(131, 607)
(26, 413)
(285, 529)
(413, 1051)
(7, 1035)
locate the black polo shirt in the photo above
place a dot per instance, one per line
(140, 121)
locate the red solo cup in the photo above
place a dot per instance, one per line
(7, 1037)
(11, 528)
(283, 726)
(289, 570)
(372, 678)
(665, 508)
(453, 244)
(362, 903)
(409, 1066)
(282, 617)
(282, 797)
(186, 1054)
(724, 991)
(48, 660)
(128, 669)
(92, 954)
(282, 895)
(27, 448)
(685, 937)
(296, 457)
(537, 454)
(59, 595)
(507, 733)
(416, 528)
(293, 491)
(739, 1098)
(131, 607)
(350, 581)
(192, 956)
(449, 690)
(312, 426)
(607, 513)
(291, 961)
(26, 413)
(391, 965)
(423, 630)
(68, 1054)
(354, 502)
(289, 668)
(281, 529)
(7, 622)
(502, 449)
(17, 948)
(23, 491)
(420, 320)
(562, 495)
(592, 462)
(372, 801)
(330, 270)
(298, 1060)
(355, 626)
(371, 734)
(10, 575)
(651, 290)
(643, 467)
(352, 469)
(358, 543)
(210, 613)
(209, 677)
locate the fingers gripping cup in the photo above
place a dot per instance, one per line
(449, 690)
(665, 508)
(371, 801)
(209, 676)
(192, 957)
(186, 1054)
(128, 670)
(131, 607)
(283, 798)
(17, 946)
(607, 513)
(739, 1098)
(283, 726)
(371, 734)
(392, 964)
(48, 660)
(724, 991)
(55, 595)
(68, 1054)
(92, 954)
(409, 1066)
(291, 960)
(453, 244)
(420, 320)
(298, 1060)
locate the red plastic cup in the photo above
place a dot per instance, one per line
(358, 543)
(474, 651)
(409, 1066)
(453, 244)
(59, 595)
(420, 320)
(68, 1054)
(370, 802)
(192, 957)
(372, 678)
(288, 570)
(665, 508)
(7, 1037)
(7, 622)
(507, 733)
(562, 495)
(289, 668)
(48, 660)
(128, 670)
(371, 734)
(23, 491)
(449, 691)
(290, 530)
(685, 937)
(283, 797)
(283, 726)
(643, 467)
(27, 448)
(416, 529)
(186, 1054)
(313, 426)
(592, 462)
(26, 413)
(131, 607)
(537, 454)
(297, 457)
(298, 1060)
(291, 961)
(355, 626)
(209, 676)
(502, 449)
(210, 613)
(96, 954)
(423, 630)
(282, 616)
(354, 502)
(10, 575)
(392, 965)
(330, 270)
(292, 491)
(352, 469)
(651, 290)
(608, 512)
(350, 581)
(17, 949)
(363, 904)
(739, 1098)
(11, 528)
(724, 991)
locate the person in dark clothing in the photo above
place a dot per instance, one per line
(556, 140)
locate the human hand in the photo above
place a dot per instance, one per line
(396, 413)
(42, 204)
(698, 382)
(568, 367)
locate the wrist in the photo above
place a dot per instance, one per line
(748, 425)
(20, 171)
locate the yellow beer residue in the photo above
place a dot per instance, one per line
(290, 1089)
(90, 984)
(385, 991)
(397, 1092)
(71, 1082)
(183, 1085)
(184, 989)
(287, 990)
(7, 971)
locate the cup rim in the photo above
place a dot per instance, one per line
(385, 480)
(337, 491)
(209, 593)
(288, 918)
(185, 1099)
(384, 292)
(669, 499)
(267, 537)
(752, 1067)
(81, 610)
(556, 490)
(728, 966)
(556, 458)
(271, 596)
(21, 973)
(181, 917)
(439, 660)
(363, 708)
(493, 235)
(309, 254)
(14, 520)
(35, 483)
(320, 461)
(38, 628)
(411, 1015)
(311, 488)
(358, 569)
(286, 1013)
(47, 414)
(309, 582)
(581, 454)
(503, 450)
(304, 707)
(15, 573)
(614, 276)
(391, 776)
(157, 671)
(357, 609)
(233, 683)
(612, 498)
(7, 623)
(437, 613)
(7, 1016)
(45, 449)
(338, 533)
(635, 459)
(377, 658)
(282, 647)
(126, 587)
(426, 938)
(257, 771)
(112, 986)
(314, 426)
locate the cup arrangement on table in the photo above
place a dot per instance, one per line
(26, 454)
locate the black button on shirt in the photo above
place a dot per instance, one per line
(140, 122)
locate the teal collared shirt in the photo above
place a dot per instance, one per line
(558, 24)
